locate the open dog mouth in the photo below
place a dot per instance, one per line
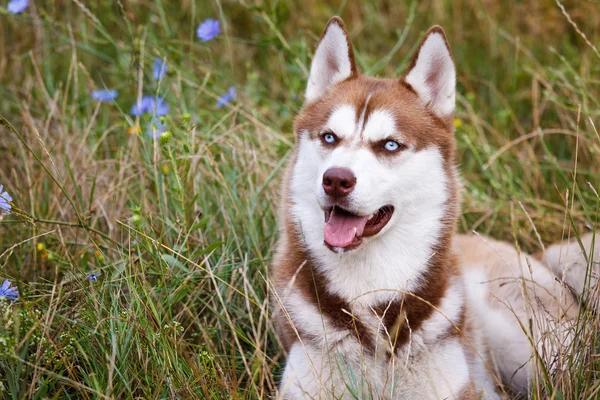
(346, 230)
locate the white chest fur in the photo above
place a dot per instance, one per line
(329, 361)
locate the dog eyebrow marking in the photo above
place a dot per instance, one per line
(342, 121)
(380, 125)
(360, 126)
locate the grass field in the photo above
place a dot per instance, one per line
(178, 230)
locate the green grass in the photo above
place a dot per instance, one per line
(182, 229)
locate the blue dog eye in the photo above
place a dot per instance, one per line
(390, 145)
(329, 138)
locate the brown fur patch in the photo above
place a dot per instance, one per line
(416, 307)
(468, 393)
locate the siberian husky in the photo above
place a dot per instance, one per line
(375, 295)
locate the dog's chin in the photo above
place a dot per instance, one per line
(346, 231)
(341, 250)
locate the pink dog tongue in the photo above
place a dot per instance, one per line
(342, 227)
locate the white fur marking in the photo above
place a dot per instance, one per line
(342, 121)
(309, 317)
(447, 314)
(380, 125)
(453, 368)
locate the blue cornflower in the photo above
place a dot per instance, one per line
(227, 97)
(4, 201)
(9, 292)
(104, 95)
(93, 277)
(160, 68)
(161, 108)
(155, 128)
(142, 106)
(17, 6)
(208, 30)
(148, 104)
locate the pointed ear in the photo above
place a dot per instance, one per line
(432, 74)
(333, 61)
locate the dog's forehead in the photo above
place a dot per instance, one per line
(361, 122)
(373, 111)
(369, 110)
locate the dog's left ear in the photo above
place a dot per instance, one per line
(432, 74)
(333, 61)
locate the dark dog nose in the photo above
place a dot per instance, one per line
(338, 182)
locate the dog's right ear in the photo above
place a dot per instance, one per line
(333, 61)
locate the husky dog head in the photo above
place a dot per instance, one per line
(374, 160)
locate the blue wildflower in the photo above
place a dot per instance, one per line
(142, 106)
(8, 292)
(161, 108)
(148, 104)
(160, 68)
(104, 95)
(208, 30)
(227, 97)
(93, 277)
(155, 128)
(17, 6)
(5, 200)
